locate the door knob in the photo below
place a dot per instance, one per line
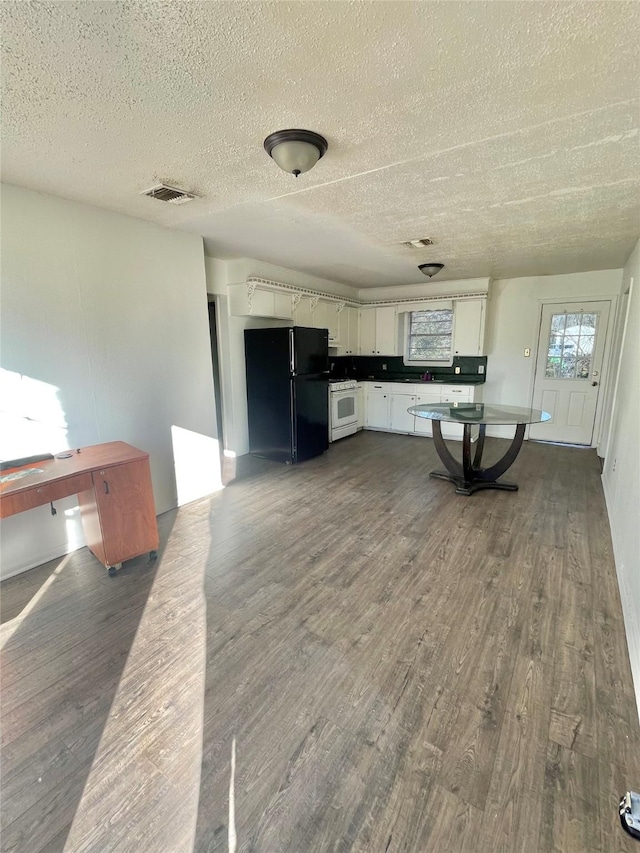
(594, 384)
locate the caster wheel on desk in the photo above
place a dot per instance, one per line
(113, 570)
(153, 555)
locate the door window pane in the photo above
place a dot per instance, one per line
(571, 346)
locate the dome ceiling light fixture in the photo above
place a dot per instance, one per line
(295, 151)
(430, 269)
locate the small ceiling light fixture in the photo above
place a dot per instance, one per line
(295, 151)
(430, 269)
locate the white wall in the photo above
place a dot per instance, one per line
(104, 337)
(621, 474)
(513, 318)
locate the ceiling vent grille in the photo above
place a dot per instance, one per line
(417, 244)
(173, 195)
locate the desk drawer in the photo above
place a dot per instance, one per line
(40, 495)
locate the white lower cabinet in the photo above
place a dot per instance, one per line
(423, 425)
(386, 404)
(400, 419)
(377, 410)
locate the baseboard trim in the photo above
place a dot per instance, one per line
(632, 628)
(51, 554)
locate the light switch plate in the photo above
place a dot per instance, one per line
(527, 352)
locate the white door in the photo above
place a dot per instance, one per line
(568, 370)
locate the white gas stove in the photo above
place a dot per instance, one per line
(343, 408)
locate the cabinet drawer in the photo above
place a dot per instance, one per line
(456, 391)
(380, 387)
(449, 398)
(40, 495)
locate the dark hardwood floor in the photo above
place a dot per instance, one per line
(398, 668)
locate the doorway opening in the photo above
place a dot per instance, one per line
(215, 363)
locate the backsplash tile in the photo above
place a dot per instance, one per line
(372, 367)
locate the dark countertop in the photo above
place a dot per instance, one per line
(451, 380)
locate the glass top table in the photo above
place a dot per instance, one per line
(469, 476)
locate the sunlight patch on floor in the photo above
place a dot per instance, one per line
(143, 788)
(9, 629)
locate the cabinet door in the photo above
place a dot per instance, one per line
(423, 425)
(320, 316)
(367, 338)
(263, 303)
(333, 322)
(282, 306)
(468, 329)
(352, 314)
(386, 331)
(348, 331)
(343, 332)
(302, 312)
(126, 511)
(377, 411)
(401, 420)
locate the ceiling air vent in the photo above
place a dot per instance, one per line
(171, 194)
(417, 244)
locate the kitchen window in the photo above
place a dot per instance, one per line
(429, 336)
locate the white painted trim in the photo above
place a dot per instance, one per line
(632, 628)
(355, 303)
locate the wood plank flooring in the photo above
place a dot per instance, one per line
(399, 668)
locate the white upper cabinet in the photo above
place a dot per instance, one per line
(387, 331)
(379, 331)
(348, 331)
(325, 316)
(302, 311)
(254, 301)
(469, 327)
(367, 341)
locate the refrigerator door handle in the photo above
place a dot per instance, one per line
(292, 359)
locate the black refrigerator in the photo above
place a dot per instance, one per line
(287, 392)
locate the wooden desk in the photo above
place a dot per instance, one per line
(113, 484)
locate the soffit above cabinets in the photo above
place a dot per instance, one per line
(506, 132)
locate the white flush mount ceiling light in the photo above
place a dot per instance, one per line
(430, 269)
(295, 151)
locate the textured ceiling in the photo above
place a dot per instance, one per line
(505, 132)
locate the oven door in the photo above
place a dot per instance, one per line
(344, 408)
